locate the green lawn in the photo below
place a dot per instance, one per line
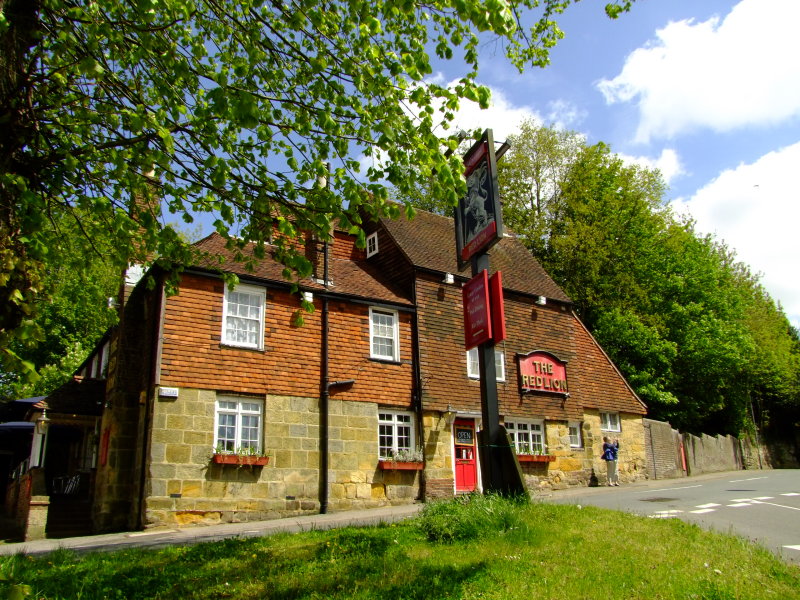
(471, 548)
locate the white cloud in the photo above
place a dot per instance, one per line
(668, 163)
(755, 209)
(501, 117)
(718, 74)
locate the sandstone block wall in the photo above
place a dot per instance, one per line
(185, 487)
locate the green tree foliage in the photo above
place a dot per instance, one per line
(692, 330)
(232, 109)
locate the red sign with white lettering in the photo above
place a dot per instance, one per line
(477, 321)
(542, 372)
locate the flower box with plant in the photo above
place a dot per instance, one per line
(242, 456)
(533, 453)
(403, 460)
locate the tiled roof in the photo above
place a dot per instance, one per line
(352, 277)
(428, 241)
(78, 396)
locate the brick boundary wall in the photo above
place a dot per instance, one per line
(662, 445)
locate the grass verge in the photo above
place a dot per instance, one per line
(468, 548)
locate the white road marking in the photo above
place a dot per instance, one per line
(686, 487)
(709, 505)
(791, 494)
(665, 514)
(702, 511)
(750, 479)
(764, 498)
(738, 504)
(793, 547)
(742, 500)
(778, 505)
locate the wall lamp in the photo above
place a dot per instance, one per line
(449, 415)
(42, 423)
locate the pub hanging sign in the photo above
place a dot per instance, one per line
(541, 371)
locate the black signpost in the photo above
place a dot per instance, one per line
(479, 226)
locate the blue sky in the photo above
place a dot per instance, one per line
(708, 91)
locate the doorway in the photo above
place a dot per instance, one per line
(466, 464)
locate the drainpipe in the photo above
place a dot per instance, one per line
(417, 391)
(324, 396)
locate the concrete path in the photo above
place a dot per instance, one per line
(156, 538)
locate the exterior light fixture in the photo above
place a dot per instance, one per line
(42, 423)
(449, 415)
(448, 278)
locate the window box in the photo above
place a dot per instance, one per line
(393, 465)
(240, 459)
(543, 458)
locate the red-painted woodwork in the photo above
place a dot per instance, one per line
(466, 464)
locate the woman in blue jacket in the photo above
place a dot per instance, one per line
(610, 456)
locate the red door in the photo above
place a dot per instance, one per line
(466, 465)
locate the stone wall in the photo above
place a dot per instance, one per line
(185, 487)
(583, 466)
(707, 454)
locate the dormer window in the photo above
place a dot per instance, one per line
(372, 244)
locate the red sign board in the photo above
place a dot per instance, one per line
(497, 307)
(477, 321)
(542, 372)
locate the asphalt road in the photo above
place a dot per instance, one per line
(763, 506)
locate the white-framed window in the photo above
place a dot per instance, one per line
(238, 424)
(575, 438)
(473, 370)
(384, 334)
(243, 316)
(610, 422)
(395, 433)
(527, 436)
(372, 244)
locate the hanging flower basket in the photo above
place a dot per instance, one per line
(240, 459)
(541, 458)
(393, 465)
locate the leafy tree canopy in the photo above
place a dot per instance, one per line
(689, 326)
(230, 108)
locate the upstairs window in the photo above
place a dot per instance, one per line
(473, 369)
(238, 425)
(395, 433)
(243, 316)
(610, 422)
(372, 244)
(383, 334)
(527, 436)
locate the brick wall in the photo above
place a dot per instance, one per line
(663, 446)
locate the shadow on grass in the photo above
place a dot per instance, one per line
(360, 563)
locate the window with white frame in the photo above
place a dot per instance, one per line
(527, 436)
(575, 439)
(238, 425)
(395, 433)
(609, 422)
(243, 316)
(383, 334)
(372, 244)
(473, 369)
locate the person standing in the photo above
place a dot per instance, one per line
(610, 451)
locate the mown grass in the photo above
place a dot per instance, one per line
(469, 548)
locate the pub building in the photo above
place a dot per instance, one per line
(216, 405)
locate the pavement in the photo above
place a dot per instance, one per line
(157, 538)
